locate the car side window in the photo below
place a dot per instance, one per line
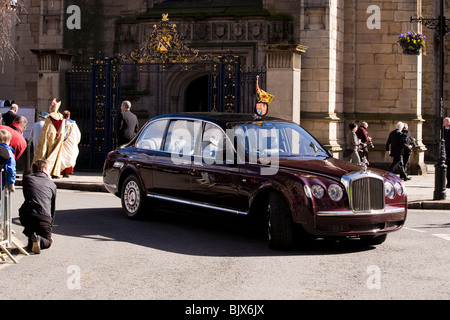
(151, 137)
(180, 137)
(213, 141)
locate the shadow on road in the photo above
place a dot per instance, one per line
(184, 234)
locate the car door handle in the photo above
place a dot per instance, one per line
(170, 171)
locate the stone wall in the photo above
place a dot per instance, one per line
(322, 32)
(27, 35)
(354, 71)
(387, 83)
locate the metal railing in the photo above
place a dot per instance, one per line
(6, 232)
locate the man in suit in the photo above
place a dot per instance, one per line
(9, 116)
(394, 146)
(127, 123)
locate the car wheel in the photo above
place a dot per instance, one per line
(374, 240)
(280, 227)
(133, 198)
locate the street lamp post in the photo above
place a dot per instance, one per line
(440, 25)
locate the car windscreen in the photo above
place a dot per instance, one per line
(285, 139)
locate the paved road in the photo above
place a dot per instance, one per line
(99, 254)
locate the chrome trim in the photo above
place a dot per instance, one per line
(345, 180)
(111, 185)
(349, 179)
(197, 204)
(349, 213)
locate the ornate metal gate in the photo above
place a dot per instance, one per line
(161, 60)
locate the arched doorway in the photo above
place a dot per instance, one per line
(197, 95)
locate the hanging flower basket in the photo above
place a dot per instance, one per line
(412, 43)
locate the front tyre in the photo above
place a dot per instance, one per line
(133, 198)
(280, 227)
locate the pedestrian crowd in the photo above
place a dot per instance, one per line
(399, 146)
(54, 141)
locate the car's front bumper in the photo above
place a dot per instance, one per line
(347, 223)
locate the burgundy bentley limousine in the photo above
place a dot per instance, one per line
(267, 169)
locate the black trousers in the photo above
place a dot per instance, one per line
(397, 163)
(43, 230)
(406, 156)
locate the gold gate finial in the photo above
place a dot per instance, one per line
(165, 17)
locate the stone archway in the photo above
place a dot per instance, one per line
(178, 87)
(196, 95)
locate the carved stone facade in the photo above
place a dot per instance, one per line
(340, 60)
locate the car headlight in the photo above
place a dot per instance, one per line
(398, 188)
(389, 190)
(318, 191)
(335, 192)
(118, 164)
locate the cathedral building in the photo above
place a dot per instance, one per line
(327, 62)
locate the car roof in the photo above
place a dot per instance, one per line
(226, 118)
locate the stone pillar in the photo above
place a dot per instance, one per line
(52, 65)
(283, 64)
(321, 30)
(417, 159)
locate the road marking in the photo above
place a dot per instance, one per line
(443, 236)
(417, 230)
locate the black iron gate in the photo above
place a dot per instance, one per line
(78, 84)
(157, 66)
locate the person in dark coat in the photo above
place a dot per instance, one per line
(127, 123)
(8, 117)
(394, 146)
(447, 147)
(37, 213)
(411, 144)
(365, 139)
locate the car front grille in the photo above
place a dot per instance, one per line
(366, 193)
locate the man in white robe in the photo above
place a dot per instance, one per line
(51, 140)
(70, 151)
